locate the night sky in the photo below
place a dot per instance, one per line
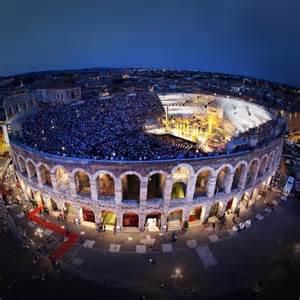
(260, 38)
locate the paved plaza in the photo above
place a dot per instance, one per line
(211, 262)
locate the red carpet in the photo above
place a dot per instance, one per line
(72, 237)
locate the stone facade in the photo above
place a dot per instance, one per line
(37, 173)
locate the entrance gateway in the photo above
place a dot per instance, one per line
(109, 219)
(153, 222)
(130, 222)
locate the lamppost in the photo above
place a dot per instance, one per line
(177, 274)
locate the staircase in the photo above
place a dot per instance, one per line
(69, 255)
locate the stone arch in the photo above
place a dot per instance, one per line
(202, 176)
(69, 209)
(61, 178)
(88, 214)
(44, 171)
(223, 176)
(153, 220)
(54, 205)
(108, 219)
(131, 185)
(196, 214)
(175, 219)
(231, 204)
(179, 190)
(82, 182)
(38, 198)
(22, 165)
(182, 172)
(216, 209)
(252, 171)
(31, 169)
(240, 173)
(245, 199)
(263, 165)
(105, 183)
(29, 192)
(130, 219)
(156, 185)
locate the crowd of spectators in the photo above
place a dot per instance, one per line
(113, 128)
(266, 132)
(108, 128)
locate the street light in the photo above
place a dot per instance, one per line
(177, 274)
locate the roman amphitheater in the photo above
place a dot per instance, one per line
(228, 151)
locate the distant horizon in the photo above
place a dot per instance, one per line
(151, 68)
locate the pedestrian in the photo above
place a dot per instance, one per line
(104, 227)
(151, 260)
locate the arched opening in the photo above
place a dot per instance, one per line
(153, 222)
(22, 165)
(245, 199)
(105, 186)
(62, 179)
(88, 215)
(31, 170)
(201, 184)
(215, 210)
(108, 220)
(156, 184)
(178, 190)
(263, 166)
(252, 171)
(231, 205)
(82, 183)
(131, 187)
(238, 176)
(53, 205)
(38, 199)
(69, 211)
(45, 175)
(174, 219)
(130, 220)
(196, 215)
(222, 179)
(258, 193)
(29, 193)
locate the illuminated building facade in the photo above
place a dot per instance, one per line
(146, 195)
